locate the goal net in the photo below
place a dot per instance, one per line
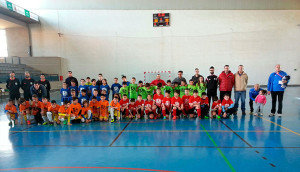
(150, 76)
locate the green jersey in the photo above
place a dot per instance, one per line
(201, 88)
(142, 92)
(123, 90)
(192, 88)
(150, 91)
(169, 88)
(132, 91)
(182, 89)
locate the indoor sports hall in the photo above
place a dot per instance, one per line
(150, 85)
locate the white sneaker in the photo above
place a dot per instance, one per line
(261, 114)
(255, 114)
(271, 114)
(279, 115)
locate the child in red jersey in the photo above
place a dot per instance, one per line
(204, 105)
(11, 112)
(216, 108)
(149, 106)
(132, 109)
(157, 103)
(166, 105)
(24, 110)
(194, 102)
(124, 102)
(185, 100)
(177, 104)
(227, 106)
(140, 107)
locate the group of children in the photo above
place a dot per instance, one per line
(84, 104)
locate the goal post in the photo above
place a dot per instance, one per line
(151, 75)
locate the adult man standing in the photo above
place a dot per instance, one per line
(158, 80)
(240, 86)
(179, 78)
(70, 78)
(211, 84)
(46, 84)
(196, 77)
(276, 89)
(26, 83)
(13, 85)
(226, 82)
(38, 90)
(100, 78)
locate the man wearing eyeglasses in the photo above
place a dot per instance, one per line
(211, 84)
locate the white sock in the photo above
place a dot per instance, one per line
(112, 113)
(89, 114)
(45, 118)
(8, 117)
(62, 119)
(49, 115)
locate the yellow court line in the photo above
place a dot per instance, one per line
(220, 131)
(280, 125)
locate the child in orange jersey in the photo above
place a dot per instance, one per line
(24, 110)
(94, 105)
(11, 112)
(74, 110)
(53, 112)
(114, 109)
(103, 108)
(45, 105)
(86, 112)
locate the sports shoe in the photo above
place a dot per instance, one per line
(271, 114)
(261, 114)
(218, 117)
(165, 117)
(28, 122)
(45, 123)
(206, 117)
(279, 115)
(65, 122)
(10, 123)
(112, 120)
(255, 114)
(174, 117)
(243, 113)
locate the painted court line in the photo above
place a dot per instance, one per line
(222, 154)
(280, 126)
(120, 133)
(114, 168)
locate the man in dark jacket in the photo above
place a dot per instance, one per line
(38, 90)
(226, 82)
(70, 78)
(196, 77)
(13, 85)
(211, 84)
(46, 84)
(99, 81)
(26, 83)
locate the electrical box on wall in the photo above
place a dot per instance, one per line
(161, 19)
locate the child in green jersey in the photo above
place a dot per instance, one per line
(133, 89)
(169, 87)
(201, 86)
(182, 88)
(142, 90)
(191, 87)
(124, 89)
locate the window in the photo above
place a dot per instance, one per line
(3, 44)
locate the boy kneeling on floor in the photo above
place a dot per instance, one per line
(227, 106)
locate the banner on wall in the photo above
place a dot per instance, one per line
(12, 7)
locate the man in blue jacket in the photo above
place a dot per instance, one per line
(276, 90)
(252, 95)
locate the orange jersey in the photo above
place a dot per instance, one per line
(113, 104)
(63, 109)
(36, 105)
(84, 110)
(54, 110)
(94, 106)
(103, 105)
(11, 108)
(24, 107)
(74, 109)
(46, 106)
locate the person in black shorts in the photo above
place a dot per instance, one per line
(13, 85)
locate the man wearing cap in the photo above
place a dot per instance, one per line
(196, 77)
(211, 84)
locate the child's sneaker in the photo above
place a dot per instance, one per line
(112, 120)
(165, 117)
(65, 122)
(279, 115)
(10, 123)
(218, 117)
(206, 117)
(261, 114)
(45, 123)
(271, 115)
(28, 122)
(174, 117)
(255, 114)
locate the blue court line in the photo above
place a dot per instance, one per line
(222, 154)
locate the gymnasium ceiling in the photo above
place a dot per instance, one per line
(159, 4)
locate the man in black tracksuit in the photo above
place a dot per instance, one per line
(211, 84)
(13, 85)
(26, 83)
(46, 84)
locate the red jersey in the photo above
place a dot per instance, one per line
(158, 99)
(194, 99)
(139, 103)
(124, 103)
(227, 103)
(132, 106)
(204, 101)
(167, 102)
(216, 105)
(176, 102)
(185, 100)
(148, 103)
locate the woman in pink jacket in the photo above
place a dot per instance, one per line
(260, 102)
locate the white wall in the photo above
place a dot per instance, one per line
(116, 42)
